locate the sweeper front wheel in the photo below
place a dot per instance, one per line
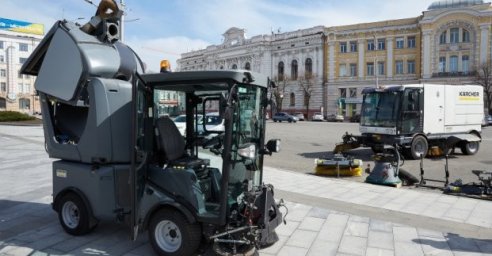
(74, 215)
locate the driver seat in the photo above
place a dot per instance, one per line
(172, 146)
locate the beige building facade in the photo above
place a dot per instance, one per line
(444, 45)
(17, 91)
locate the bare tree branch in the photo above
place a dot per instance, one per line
(483, 77)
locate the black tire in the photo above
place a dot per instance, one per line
(172, 235)
(274, 120)
(74, 215)
(290, 120)
(419, 146)
(407, 178)
(470, 148)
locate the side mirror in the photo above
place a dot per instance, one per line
(273, 146)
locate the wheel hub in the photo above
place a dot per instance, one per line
(168, 236)
(70, 214)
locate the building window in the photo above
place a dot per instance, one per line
(399, 67)
(24, 104)
(3, 87)
(353, 46)
(343, 47)
(342, 70)
(465, 36)
(381, 68)
(1, 44)
(3, 73)
(442, 38)
(353, 92)
(453, 64)
(381, 44)
(27, 88)
(292, 99)
(221, 67)
(411, 67)
(281, 71)
(370, 45)
(400, 43)
(23, 47)
(309, 68)
(22, 60)
(293, 70)
(454, 35)
(411, 42)
(247, 66)
(2, 59)
(19, 75)
(353, 69)
(343, 92)
(3, 103)
(370, 68)
(442, 64)
(465, 64)
(234, 66)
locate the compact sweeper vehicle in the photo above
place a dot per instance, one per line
(121, 157)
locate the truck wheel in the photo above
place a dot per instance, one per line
(74, 215)
(470, 148)
(419, 146)
(171, 234)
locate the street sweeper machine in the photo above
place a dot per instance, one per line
(122, 158)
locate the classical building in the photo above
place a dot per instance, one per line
(445, 45)
(17, 40)
(286, 57)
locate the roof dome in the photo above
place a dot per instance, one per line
(453, 4)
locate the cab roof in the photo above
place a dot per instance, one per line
(203, 80)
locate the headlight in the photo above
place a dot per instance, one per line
(247, 150)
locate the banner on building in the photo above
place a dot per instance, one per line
(21, 26)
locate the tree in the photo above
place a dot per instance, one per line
(279, 91)
(306, 84)
(483, 77)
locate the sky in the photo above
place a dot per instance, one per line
(164, 29)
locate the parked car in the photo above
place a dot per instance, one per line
(282, 116)
(355, 118)
(487, 120)
(335, 118)
(214, 123)
(299, 115)
(180, 122)
(318, 117)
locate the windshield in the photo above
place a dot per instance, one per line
(380, 109)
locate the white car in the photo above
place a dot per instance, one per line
(214, 123)
(180, 122)
(318, 117)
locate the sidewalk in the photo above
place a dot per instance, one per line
(327, 216)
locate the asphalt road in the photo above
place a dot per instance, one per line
(302, 142)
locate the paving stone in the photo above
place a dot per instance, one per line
(302, 238)
(319, 213)
(312, 224)
(323, 248)
(408, 249)
(378, 239)
(331, 233)
(287, 229)
(353, 245)
(274, 249)
(379, 225)
(405, 234)
(356, 229)
(292, 251)
(379, 252)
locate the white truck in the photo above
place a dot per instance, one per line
(419, 116)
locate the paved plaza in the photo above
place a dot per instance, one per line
(326, 216)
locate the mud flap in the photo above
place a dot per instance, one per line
(271, 218)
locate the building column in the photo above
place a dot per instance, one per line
(389, 57)
(484, 39)
(331, 61)
(360, 67)
(426, 56)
